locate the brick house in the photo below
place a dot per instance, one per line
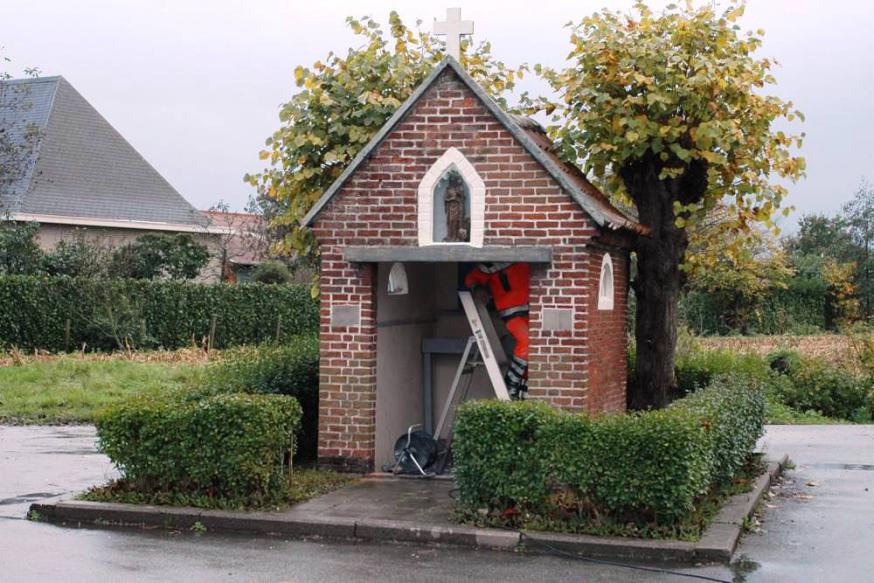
(78, 177)
(379, 222)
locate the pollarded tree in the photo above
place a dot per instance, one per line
(342, 103)
(670, 111)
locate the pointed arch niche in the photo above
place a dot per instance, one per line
(605, 284)
(432, 189)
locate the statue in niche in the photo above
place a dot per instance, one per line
(454, 201)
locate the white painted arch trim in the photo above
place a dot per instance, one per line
(606, 287)
(452, 158)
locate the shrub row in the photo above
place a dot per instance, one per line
(643, 468)
(803, 307)
(808, 384)
(61, 313)
(802, 383)
(289, 369)
(228, 446)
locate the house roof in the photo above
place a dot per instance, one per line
(241, 235)
(82, 170)
(525, 131)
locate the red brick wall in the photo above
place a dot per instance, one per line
(524, 206)
(607, 336)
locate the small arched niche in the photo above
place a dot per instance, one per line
(397, 280)
(605, 284)
(451, 202)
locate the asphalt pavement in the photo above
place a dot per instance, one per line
(819, 526)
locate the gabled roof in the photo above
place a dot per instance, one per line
(571, 179)
(82, 168)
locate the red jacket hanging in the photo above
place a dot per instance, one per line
(508, 283)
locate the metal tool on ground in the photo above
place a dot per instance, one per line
(417, 451)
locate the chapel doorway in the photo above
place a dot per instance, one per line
(421, 334)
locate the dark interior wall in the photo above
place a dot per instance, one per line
(402, 322)
(430, 310)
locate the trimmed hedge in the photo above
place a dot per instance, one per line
(288, 369)
(227, 446)
(170, 314)
(647, 467)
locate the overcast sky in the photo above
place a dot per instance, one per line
(196, 86)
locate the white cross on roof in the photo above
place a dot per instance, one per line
(454, 28)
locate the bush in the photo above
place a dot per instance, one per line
(734, 407)
(169, 314)
(272, 272)
(803, 307)
(828, 389)
(641, 468)
(697, 367)
(289, 369)
(153, 255)
(226, 446)
(784, 360)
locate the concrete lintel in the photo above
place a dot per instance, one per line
(447, 253)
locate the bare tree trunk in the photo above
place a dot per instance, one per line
(659, 278)
(658, 292)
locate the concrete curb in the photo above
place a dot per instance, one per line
(717, 544)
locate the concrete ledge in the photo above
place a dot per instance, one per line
(717, 544)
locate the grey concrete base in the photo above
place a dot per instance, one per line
(418, 512)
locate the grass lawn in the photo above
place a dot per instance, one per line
(71, 389)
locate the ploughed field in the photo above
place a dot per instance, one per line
(834, 348)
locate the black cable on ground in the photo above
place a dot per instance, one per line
(569, 555)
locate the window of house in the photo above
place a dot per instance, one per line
(605, 286)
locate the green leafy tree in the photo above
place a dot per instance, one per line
(272, 272)
(177, 256)
(18, 140)
(671, 112)
(819, 235)
(740, 281)
(342, 103)
(20, 253)
(77, 257)
(837, 251)
(857, 218)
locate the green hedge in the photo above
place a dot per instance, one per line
(642, 467)
(34, 313)
(696, 367)
(289, 369)
(226, 446)
(801, 308)
(833, 391)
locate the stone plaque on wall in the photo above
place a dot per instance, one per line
(558, 320)
(345, 316)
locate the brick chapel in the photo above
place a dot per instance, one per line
(389, 277)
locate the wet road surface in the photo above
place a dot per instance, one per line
(819, 526)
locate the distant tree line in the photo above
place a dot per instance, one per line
(819, 278)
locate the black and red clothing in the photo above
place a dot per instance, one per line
(508, 284)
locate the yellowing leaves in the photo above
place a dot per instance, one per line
(342, 101)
